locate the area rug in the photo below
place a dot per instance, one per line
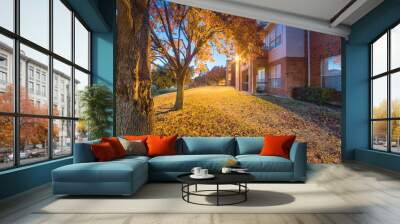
(166, 198)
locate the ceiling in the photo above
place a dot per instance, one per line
(325, 16)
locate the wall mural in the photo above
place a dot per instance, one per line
(192, 72)
(242, 77)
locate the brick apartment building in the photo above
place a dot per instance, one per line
(286, 63)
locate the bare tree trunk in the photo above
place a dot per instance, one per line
(134, 105)
(180, 83)
(144, 102)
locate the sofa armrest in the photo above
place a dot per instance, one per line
(83, 152)
(298, 155)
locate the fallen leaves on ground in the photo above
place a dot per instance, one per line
(224, 111)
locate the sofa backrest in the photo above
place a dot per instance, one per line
(249, 145)
(206, 145)
(83, 152)
(190, 146)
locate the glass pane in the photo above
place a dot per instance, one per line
(81, 131)
(7, 14)
(35, 21)
(395, 47)
(395, 136)
(379, 135)
(81, 81)
(6, 142)
(34, 92)
(62, 89)
(379, 55)
(33, 140)
(333, 82)
(395, 94)
(62, 138)
(62, 29)
(379, 97)
(6, 74)
(81, 45)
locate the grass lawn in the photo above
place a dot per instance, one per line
(224, 111)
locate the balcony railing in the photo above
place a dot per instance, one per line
(261, 87)
(245, 86)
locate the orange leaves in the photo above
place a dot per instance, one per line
(223, 111)
(33, 130)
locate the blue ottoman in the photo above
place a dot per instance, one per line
(119, 177)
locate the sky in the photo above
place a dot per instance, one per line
(219, 60)
(35, 27)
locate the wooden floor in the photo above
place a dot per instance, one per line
(379, 189)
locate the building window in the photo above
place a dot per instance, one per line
(3, 71)
(385, 94)
(3, 78)
(38, 45)
(30, 87)
(331, 72)
(44, 91)
(30, 72)
(260, 87)
(274, 37)
(3, 61)
(38, 89)
(44, 77)
(38, 74)
(276, 77)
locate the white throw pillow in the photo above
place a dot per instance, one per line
(137, 147)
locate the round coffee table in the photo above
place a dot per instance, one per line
(238, 179)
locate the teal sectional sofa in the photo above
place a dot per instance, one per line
(125, 176)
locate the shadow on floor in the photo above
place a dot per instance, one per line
(255, 198)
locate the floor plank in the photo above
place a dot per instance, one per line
(378, 190)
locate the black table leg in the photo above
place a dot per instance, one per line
(188, 190)
(245, 193)
(182, 189)
(217, 194)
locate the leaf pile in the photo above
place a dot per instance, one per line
(224, 111)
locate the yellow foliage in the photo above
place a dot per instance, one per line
(223, 111)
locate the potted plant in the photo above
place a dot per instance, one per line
(96, 102)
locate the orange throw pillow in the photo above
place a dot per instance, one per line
(103, 152)
(136, 137)
(161, 145)
(116, 145)
(277, 145)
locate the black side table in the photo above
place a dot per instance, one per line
(238, 179)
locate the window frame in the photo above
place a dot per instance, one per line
(388, 74)
(274, 38)
(16, 115)
(3, 70)
(323, 75)
(275, 77)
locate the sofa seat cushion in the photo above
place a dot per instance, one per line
(257, 163)
(113, 171)
(132, 157)
(185, 163)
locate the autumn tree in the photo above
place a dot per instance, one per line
(212, 77)
(380, 127)
(182, 36)
(34, 131)
(134, 104)
(162, 77)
